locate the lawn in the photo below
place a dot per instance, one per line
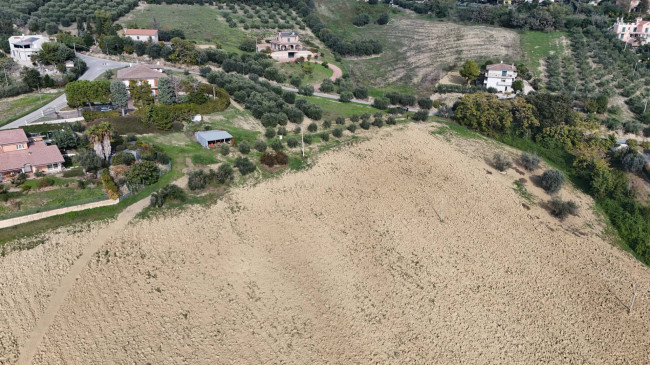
(133, 125)
(539, 45)
(200, 23)
(316, 77)
(39, 201)
(17, 107)
(332, 108)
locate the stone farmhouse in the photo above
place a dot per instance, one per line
(23, 47)
(636, 34)
(19, 153)
(500, 76)
(142, 35)
(285, 46)
(141, 73)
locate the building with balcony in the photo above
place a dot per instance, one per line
(636, 34)
(500, 76)
(23, 47)
(285, 46)
(19, 153)
(141, 73)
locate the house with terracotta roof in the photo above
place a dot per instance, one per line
(636, 34)
(19, 153)
(141, 73)
(142, 35)
(500, 76)
(285, 46)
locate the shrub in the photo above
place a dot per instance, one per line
(421, 115)
(552, 181)
(245, 165)
(313, 127)
(168, 192)
(529, 161)
(425, 103)
(292, 142)
(501, 162)
(144, 172)
(197, 180)
(562, 209)
(270, 133)
(365, 124)
(346, 97)
(260, 145)
(122, 158)
(110, 187)
(276, 145)
(381, 103)
(244, 147)
(73, 173)
(361, 92)
(297, 130)
(633, 162)
(281, 158)
(325, 137)
(307, 90)
(391, 120)
(282, 131)
(268, 159)
(307, 138)
(45, 182)
(338, 132)
(354, 118)
(224, 173)
(327, 124)
(88, 160)
(39, 174)
(224, 150)
(340, 120)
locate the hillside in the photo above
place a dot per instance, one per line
(347, 262)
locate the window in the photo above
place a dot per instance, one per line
(623, 30)
(503, 80)
(621, 36)
(634, 29)
(52, 166)
(504, 73)
(20, 146)
(646, 30)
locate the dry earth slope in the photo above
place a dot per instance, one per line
(344, 263)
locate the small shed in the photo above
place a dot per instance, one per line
(213, 138)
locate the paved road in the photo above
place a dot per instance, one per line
(96, 67)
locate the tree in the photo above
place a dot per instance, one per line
(346, 97)
(260, 145)
(483, 112)
(248, 45)
(83, 92)
(518, 85)
(383, 19)
(224, 150)
(425, 103)
(183, 51)
(123, 158)
(244, 165)
(100, 136)
(529, 161)
(224, 173)
(65, 140)
(88, 160)
(31, 77)
(197, 180)
(307, 90)
(380, 103)
(144, 172)
(552, 181)
(119, 96)
(141, 93)
(421, 115)
(312, 127)
(469, 71)
(361, 92)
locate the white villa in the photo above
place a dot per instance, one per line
(285, 46)
(500, 76)
(142, 35)
(23, 47)
(636, 34)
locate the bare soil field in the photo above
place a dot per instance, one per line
(416, 50)
(347, 262)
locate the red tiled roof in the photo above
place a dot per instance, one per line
(37, 154)
(12, 136)
(501, 67)
(147, 32)
(138, 72)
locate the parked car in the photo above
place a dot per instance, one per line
(105, 108)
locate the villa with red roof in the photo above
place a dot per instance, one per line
(141, 73)
(142, 35)
(500, 76)
(19, 153)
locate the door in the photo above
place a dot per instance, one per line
(27, 168)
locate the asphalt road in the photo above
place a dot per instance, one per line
(96, 67)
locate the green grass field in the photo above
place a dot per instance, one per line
(333, 108)
(200, 23)
(316, 77)
(15, 108)
(539, 45)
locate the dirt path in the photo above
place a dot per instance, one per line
(59, 297)
(335, 75)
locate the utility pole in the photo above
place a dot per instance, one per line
(302, 141)
(40, 96)
(6, 79)
(646, 105)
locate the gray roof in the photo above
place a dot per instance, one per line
(286, 34)
(213, 135)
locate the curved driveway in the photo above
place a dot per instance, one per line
(96, 67)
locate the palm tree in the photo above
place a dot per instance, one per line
(100, 135)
